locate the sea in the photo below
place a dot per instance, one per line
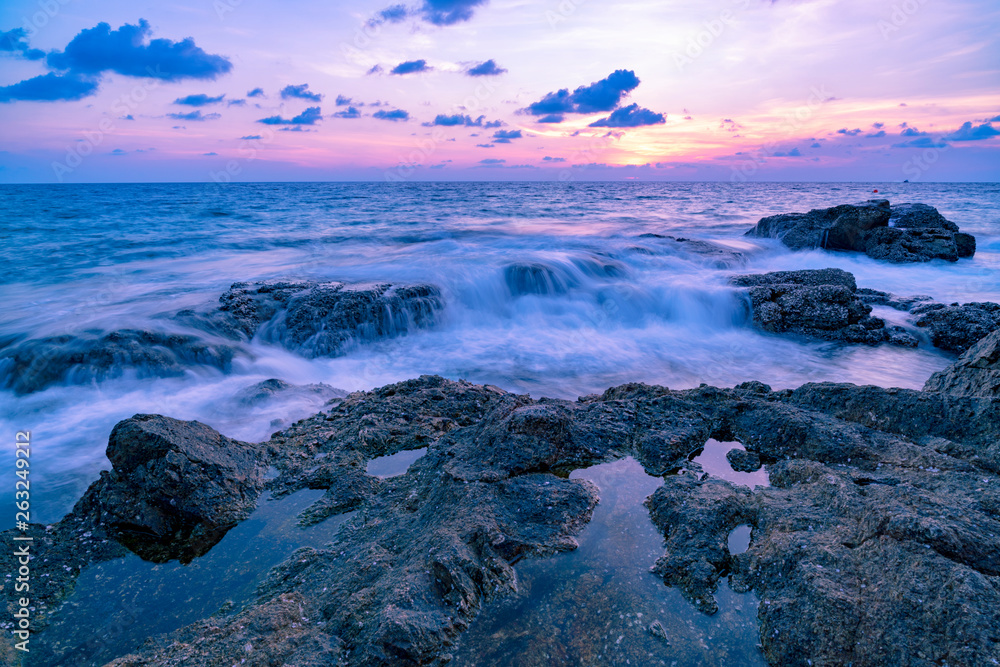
(92, 259)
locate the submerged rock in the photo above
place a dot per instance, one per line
(901, 233)
(822, 303)
(976, 373)
(36, 364)
(957, 328)
(267, 390)
(321, 319)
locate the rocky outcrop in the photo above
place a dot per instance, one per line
(976, 373)
(822, 303)
(901, 233)
(321, 319)
(878, 542)
(35, 364)
(958, 327)
(715, 254)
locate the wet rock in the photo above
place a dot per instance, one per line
(524, 279)
(822, 303)
(175, 487)
(270, 389)
(36, 364)
(837, 228)
(901, 233)
(976, 373)
(957, 328)
(743, 461)
(719, 255)
(321, 319)
(877, 543)
(877, 298)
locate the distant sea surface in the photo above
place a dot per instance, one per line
(99, 258)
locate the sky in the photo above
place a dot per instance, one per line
(727, 90)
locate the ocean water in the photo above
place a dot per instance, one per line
(98, 258)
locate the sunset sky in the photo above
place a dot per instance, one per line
(243, 90)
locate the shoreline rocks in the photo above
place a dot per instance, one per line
(821, 303)
(899, 234)
(976, 373)
(877, 496)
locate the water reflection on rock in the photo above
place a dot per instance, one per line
(600, 605)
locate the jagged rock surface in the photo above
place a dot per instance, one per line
(976, 373)
(901, 233)
(821, 303)
(321, 319)
(958, 327)
(878, 542)
(36, 364)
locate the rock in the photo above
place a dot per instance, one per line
(36, 364)
(820, 303)
(901, 233)
(657, 630)
(717, 254)
(976, 373)
(525, 279)
(878, 541)
(876, 298)
(175, 487)
(269, 389)
(321, 319)
(957, 328)
(743, 461)
(838, 228)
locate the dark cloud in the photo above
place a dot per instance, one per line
(449, 12)
(488, 68)
(256, 92)
(344, 101)
(376, 69)
(126, 51)
(552, 118)
(301, 92)
(199, 100)
(815, 144)
(461, 120)
(553, 159)
(875, 135)
(850, 133)
(631, 116)
(308, 117)
(50, 87)
(16, 41)
(394, 115)
(492, 161)
(393, 14)
(410, 67)
(995, 119)
(236, 103)
(911, 132)
(484, 145)
(251, 137)
(504, 136)
(212, 154)
(878, 126)
(118, 151)
(795, 152)
(970, 133)
(194, 115)
(438, 12)
(350, 112)
(603, 95)
(922, 142)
